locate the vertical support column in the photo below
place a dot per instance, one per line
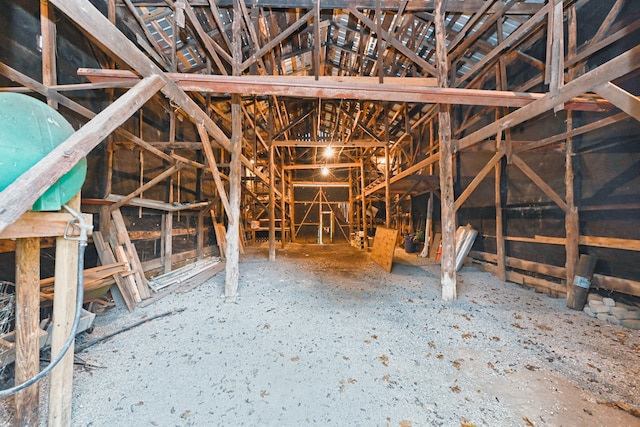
(351, 204)
(292, 208)
(387, 183)
(233, 231)
(27, 322)
(500, 248)
(200, 235)
(272, 204)
(448, 220)
(167, 241)
(572, 218)
(364, 205)
(65, 291)
(48, 33)
(283, 201)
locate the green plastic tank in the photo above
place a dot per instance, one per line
(29, 130)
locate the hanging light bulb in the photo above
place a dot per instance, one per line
(328, 151)
(325, 171)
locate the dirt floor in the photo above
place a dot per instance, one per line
(323, 336)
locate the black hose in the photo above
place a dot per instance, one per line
(70, 338)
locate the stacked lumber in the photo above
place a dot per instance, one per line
(116, 247)
(97, 280)
(184, 279)
(183, 275)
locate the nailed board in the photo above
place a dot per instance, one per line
(384, 244)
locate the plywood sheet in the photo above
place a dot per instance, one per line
(384, 244)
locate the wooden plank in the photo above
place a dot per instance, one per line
(132, 254)
(384, 245)
(20, 195)
(64, 305)
(626, 286)
(121, 256)
(42, 224)
(521, 264)
(107, 258)
(435, 246)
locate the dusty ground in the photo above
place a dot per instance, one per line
(324, 336)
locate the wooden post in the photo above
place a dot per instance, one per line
(283, 206)
(233, 231)
(351, 204)
(501, 273)
(292, 209)
(27, 324)
(364, 205)
(387, 183)
(200, 235)
(572, 218)
(167, 239)
(448, 219)
(48, 32)
(64, 303)
(272, 204)
(582, 282)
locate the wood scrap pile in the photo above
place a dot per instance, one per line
(184, 275)
(97, 281)
(117, 247)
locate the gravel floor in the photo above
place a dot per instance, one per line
(323, 336)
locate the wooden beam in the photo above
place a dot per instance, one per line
(397, 44)
(405, 173)
(322, 165)
(368, 143)
(27, 316)
(616, 67)
(404, 91)
(213, 167)
(619, 97)
(571, 133)
(480, 176)
(20, 195)
(533, 176)
(161, 177)
(41, 224)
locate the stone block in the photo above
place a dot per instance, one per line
(631, 323)
(601, 308)
(632, 315)
(594, 297)
(618, 312)
(609, 302)
(587, 310)
(614, 320)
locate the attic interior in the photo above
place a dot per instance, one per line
(210, 126)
